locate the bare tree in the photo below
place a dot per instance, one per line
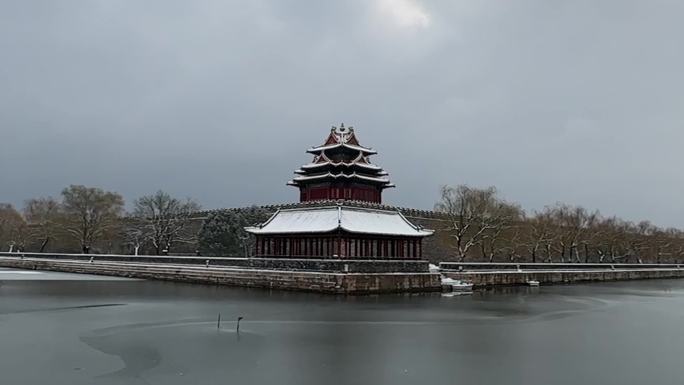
(163, 219)
(475, 216)
(539, 235)
(478, 220)
(42, 215)
(578, 223)
(134, 233)
(513, 242)
(677, 247)
(607, 244)
(13, 229)
(571, 224)
(89, 213)
(639, 240)
(502, 234)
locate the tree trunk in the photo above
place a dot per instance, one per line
(44, 244)
(461, 257)
(562, 254)
(586, 253)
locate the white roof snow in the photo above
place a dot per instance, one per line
(365, 150)
(342, 175)
(351, 164)
(349, 219)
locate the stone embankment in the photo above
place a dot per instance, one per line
(335, 276)
(496, 274)
(181, 270)
(289, 264)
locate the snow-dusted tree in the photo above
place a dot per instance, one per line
(607, 244)
(134, 233)
(501, 236)
(89, 213)
(639, 240)
(223, 232)
(572, 227)
(43, 215)
(163, 220)
(13, 229)
(475, 217)
(539, 235)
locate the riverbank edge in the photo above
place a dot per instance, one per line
(312, 281)
(483, 279)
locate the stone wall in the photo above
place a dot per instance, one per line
(510, 278)
(504, 267)
(328, 265)
(322, 282)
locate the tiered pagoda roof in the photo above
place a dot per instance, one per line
(341, 160)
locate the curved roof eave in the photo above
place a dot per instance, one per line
(319, 149)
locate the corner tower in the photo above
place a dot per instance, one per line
(341, 169)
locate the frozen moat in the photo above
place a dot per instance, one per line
(71, 329)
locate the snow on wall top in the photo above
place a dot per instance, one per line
(329, 219)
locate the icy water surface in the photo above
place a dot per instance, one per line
(75, 329)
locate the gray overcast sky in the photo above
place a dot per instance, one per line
(575, 101)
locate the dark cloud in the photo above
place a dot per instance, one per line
(550, 101)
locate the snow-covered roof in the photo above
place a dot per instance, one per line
(329, 219)
(319, 149)
(341, 137)
(341, 163)
(353, 175)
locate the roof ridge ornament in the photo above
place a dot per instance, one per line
(342, 134)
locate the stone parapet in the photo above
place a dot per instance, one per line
(491, 266)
